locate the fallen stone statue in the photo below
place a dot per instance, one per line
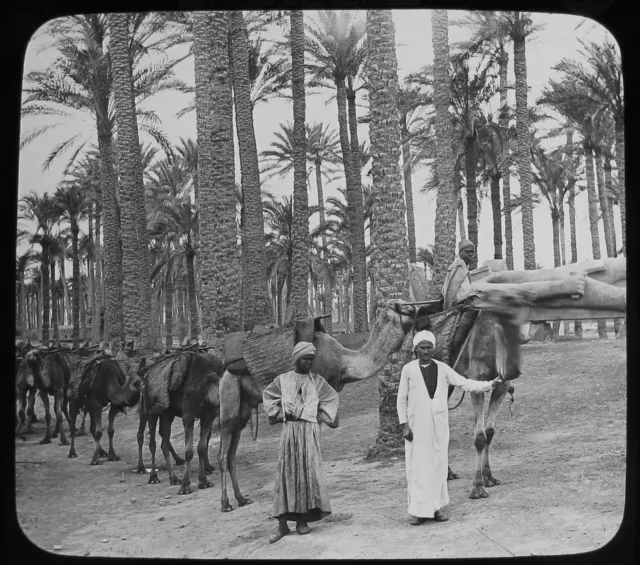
(592, 285)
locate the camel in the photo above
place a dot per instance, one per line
(25, 391)
(51, 373)
(491, 349)
(185, 384)
(104, 381)
(141, 469)
(239, 394)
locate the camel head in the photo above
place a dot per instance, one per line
(339, 365)
(510, 305)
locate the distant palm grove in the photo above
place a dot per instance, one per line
(165, 243)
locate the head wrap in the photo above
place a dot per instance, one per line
(464, 244)
(424, 335)
(301, 349)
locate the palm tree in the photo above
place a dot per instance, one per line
(256, 300)
(335, 46)
(576, 108)
(445, 224)
(71, 201)
(135, 251)
(468, 92)
(602, 80)
(410, 99)
(39, 209)
(389, 232)
(216, 199)
(300, 235)
(23, 262)
(490, 36)
(519, 27)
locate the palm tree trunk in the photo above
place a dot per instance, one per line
(357, 218)
(593, 204)
(328, 291)
(445, 225)
(112, 243)
(218, 262)
(168, 313)
(497, 216)
(524, 160)
(608, 183)
(257, 306)
(98, 289)
(609, 236)
(503, 64)
(470, 159)
(193, 308)
(388, 225)
(301, 241)
(45, 290)
(577, 324)
(135, 241)
(593, 221)
(459, 200)
(408, 194)
(54, 299)
(620, 162)
(75, 281)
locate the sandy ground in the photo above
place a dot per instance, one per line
(561, 458)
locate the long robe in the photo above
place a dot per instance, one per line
(299, 400)
(426, 457)
(457, 284)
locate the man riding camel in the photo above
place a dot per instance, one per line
(457, 284)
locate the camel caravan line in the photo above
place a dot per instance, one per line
(480, 339)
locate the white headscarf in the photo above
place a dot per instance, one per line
(424, 335)
(303, 348)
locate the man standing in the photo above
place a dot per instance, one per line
(423, 415)
(302, 400)
(457, 285)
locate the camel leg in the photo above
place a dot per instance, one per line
(177, 459)
(96, 429)
(226, 437)
(82, 431)
(31, 413)
(153, 420)
(165, 433)
(58, 404)
(140, 438)
(47, 417)
(497, 396)
(206, 421)
(208, 467)
(22, 419)
(113, 411)
(477, 400)
(187, 421)
(72, 429)
(235, 440)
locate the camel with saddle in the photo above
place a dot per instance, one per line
(484, 341)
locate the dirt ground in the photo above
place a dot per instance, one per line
(561, 458)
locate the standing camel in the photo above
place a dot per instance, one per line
(25, 391)
(51, 373)
(144, 417)
(183, 384)
(105, 381)
(337, 364)
(491, 349)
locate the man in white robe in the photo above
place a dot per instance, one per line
(302, 400)
(424, 415)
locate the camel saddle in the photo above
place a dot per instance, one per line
(268, 349)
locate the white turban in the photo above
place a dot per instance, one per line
(303, 348)
(424, 335)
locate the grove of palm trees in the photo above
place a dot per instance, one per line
(193, 174)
